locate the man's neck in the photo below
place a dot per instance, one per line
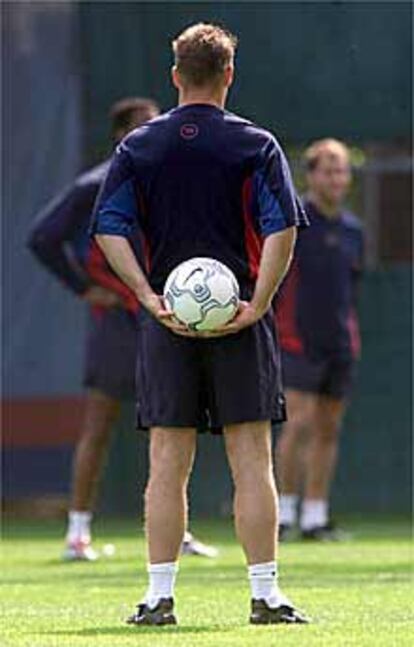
(217, 99)
(330, 210)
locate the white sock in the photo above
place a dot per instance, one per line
(79, 526)
(288, 509)
(187, 537)
(314, 513)
(264, 584)
(161, 582)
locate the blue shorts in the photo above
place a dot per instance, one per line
(207, 383)
(330, 376)
(111, 350)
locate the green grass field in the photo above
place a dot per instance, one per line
(359, 592)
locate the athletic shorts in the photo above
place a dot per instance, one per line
(330, 376)
(207, 383)
(111, 350)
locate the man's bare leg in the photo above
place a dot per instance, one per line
(101, 411)
(323, 447)
(249, 452)
(290, 450)
(171, 459)
(300, 412)
(320, 461)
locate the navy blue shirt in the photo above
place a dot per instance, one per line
(60, 239)
(316, 305)
(199, 181)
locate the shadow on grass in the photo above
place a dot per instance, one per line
(123, 631)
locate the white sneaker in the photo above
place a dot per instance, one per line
(192, 546)
(79, 551)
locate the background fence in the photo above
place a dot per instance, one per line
(305, 70)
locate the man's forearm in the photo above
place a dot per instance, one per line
(276, 257)
(55, 253)
(121, 258)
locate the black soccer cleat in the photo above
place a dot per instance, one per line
(162, 614)
(262, 614)
(328, 532)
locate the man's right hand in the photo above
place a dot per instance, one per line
(96, 295)
(156, 307)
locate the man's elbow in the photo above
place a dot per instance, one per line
(291, 234)
(289, 244)
(38, 244)
(108, 243)
(285, 238)
(102, 241)
(282, 245)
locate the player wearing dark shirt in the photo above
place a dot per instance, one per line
(61, 242)
(200, 181)
(319, 337)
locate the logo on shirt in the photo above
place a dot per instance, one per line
(189, 131)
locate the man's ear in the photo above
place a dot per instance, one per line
(175, 76)
(229, 75)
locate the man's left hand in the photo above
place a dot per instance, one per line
(247, 315)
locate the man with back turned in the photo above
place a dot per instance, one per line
(200, 181)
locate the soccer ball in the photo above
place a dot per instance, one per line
(202, 293)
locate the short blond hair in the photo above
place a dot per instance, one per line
(202, 52)
(331, 148)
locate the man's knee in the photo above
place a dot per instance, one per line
(328, 420)
(100, 414)
(171, 454)
(248, 449)
(296, 425)
(327, 432)
(300, 413)
(100, 409)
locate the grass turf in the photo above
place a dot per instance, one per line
(358, 592)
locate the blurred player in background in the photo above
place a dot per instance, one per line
(201, 181)
(320, 342)
(60, 240)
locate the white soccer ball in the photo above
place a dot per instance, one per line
(202, 293)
